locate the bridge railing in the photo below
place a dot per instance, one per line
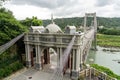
(92, 73)
(10, 43)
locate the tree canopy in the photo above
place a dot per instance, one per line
(9, 26)
(79, 21)
(31, 22)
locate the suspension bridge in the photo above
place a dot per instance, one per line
(71, 48)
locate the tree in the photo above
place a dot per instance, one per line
(9, 26)
(31, 22)
(36, 22)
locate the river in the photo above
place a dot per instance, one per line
(105, 58)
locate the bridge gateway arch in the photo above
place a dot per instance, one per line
(39, 40)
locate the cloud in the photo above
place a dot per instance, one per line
(102, 3)
(57, 7)
(63, 8)
(51, 4)
(117, 5)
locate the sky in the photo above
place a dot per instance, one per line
(62, 8)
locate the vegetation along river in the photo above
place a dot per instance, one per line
(109, 59)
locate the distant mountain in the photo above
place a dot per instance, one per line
(79, 21)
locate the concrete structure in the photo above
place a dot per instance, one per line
(37, 47)
(94, 23)
(39, 29)
(40, 41)
(70, 29)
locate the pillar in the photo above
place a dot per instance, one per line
(81, 59)
(38, 57)
(58, 57)
(61, 61)
(32, 58)
(48, 56)
(69, 66)
(75, 68)
(28, 55)
(78, 59)
(42, 60)
(73, 60)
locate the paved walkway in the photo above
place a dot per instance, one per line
(32, 74)
(45, 74)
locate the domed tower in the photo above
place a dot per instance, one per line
(53, 28)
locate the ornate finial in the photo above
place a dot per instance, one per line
(52, 18)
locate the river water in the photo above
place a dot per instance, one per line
(105, 58)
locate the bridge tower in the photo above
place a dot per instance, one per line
(94, 25)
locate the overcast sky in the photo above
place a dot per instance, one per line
(63, 8)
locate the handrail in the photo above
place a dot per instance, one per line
(10, 43)
(92, 72)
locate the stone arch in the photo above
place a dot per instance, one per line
(46, 56)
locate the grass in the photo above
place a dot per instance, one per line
(108, 40)
(105, 70)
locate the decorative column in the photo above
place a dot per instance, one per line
(73, 52)
(61, 62)
(58, 57)
(28, 55)
(76, 63)
(78, 59)
(81, 62)
(73, 72)
(38, 57)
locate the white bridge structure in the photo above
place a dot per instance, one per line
(70, 46)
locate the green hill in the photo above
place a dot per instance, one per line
(78, 21)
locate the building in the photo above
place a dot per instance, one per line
(38, 44)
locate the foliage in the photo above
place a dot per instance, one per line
(9, 63)
(109, 31)
(108, 40)
(8, 69)
(63, 22)
(106, 70)
(9, 26)
(6, 59)
(79, 21)
(31, 21)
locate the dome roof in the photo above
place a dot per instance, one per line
(53, 28)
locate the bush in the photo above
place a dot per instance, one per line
(110, 31)
(9, 69)
(2, 72)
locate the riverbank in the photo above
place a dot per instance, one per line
(105, 58)
(108, 40)
(105, 70)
